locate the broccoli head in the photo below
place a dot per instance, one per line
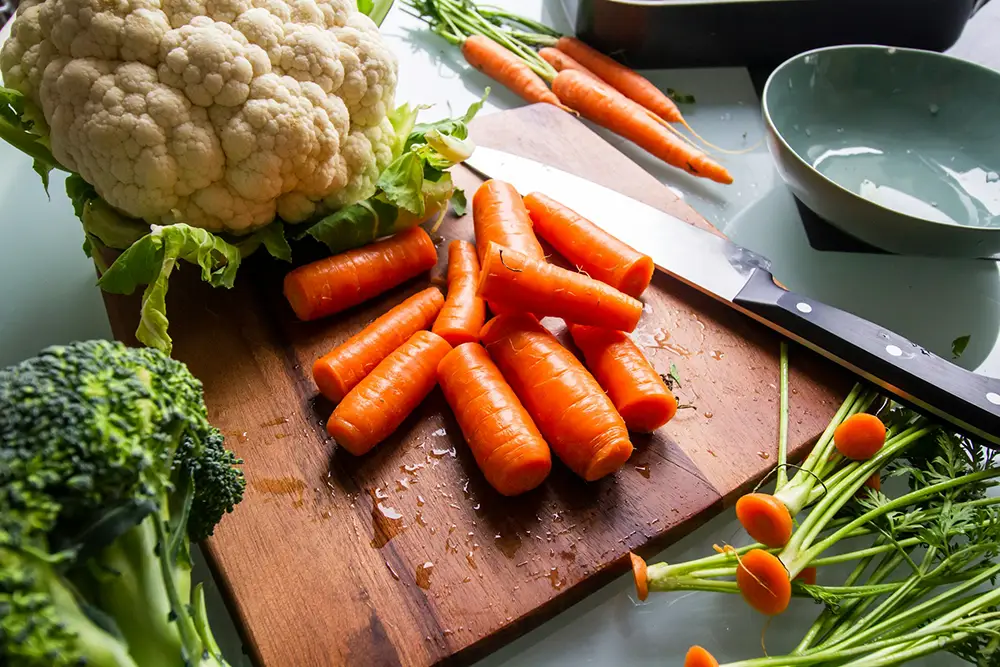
(108, 468)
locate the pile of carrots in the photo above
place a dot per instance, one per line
(583, 80)
(517, 393)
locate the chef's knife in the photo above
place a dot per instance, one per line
(742, 279)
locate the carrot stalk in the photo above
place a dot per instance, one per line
(508, 69)
(463, 313)
(336, 283)
(763, 582)
(504, 440)
(588, 247)
(576, 417)
(338, 371)
(633, 385)
(600, 104)
(385, 397)
(518, 282)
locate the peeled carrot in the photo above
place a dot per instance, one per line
(765, 518)
(807, 576)
(632, 384)
(699, 657)
(640, 574)
(463, 313)
(499, 215)
(517, 282)
(588, 247)
(385, 397)
(627, 81)
(576, 417)
(338, 371)
(602, 105)
(504, 440)
(508, 69)
(763, 582)
(860, 436)
(561, 61)
(339, 282)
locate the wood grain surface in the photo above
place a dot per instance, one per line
(406, 556)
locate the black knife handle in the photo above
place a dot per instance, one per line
(914, 375)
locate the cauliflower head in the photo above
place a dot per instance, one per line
(220, 114)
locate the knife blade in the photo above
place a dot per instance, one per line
(742, 279)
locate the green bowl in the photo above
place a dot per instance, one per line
(897, 147)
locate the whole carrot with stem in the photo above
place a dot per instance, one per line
(633, 385)
(520, 283)
(506, 68)
(576, 417)
(385, 397)
(336, 283)
(504, 440)
(341, 369)
(560, 61)
(464, 313)
(588, 247)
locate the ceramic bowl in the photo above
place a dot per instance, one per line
(897, 147)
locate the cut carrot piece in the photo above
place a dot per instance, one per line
(763, 582)
(765, 518)
(699, 657)
(634, 386)
(463, 313)
(600, 104)
(506, 68)
(860, 436)
(874, 483)
(517, 282)
(504, 440)
(807, 576)
(567, 404)
(385, 397)
(499, 215)
(338, 371)
(641, 575)
(339, 282)
(588, 247)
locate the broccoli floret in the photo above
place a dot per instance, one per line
(108, 468)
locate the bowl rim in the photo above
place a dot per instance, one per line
(952, 228)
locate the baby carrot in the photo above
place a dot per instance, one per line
(508, 69)
(860, 436)
(561, 61)
(517, 282)
(604, 106)
(499, 215)
(699, 657)
(576, 417)
(588, 247)
(385, 397)
(765, 518)
(338, 371)
(336, 283)
(505, 442)
(463, 313)
(636, 389)
(763, 582)
(623, 79)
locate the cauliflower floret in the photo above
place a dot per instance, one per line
(217, 113)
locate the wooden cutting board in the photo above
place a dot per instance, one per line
(406, 556)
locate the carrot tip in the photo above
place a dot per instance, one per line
(641, 576)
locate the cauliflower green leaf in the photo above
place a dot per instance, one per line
(23, 126)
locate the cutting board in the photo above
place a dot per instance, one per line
(406, 556)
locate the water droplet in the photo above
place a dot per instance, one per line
(411, 468)
(790, 84)
(643, 470)
(934, 109)
(764, 455)
(419, 518)
(891, 51)
(392, 571)
(991, 176)
(440, 453)
(420, 501)
(809, 132)
(709, 415)
(840, 130)
(507, 544)
(471, 560)
(810, 59)
(423, 574)
(440, 433)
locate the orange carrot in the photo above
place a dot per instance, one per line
(385, 397)
(338, 371)
(576, 417)
(463, 313)
(765, 518)
(640, 574)
(588, 247)
(623, 79)
(874, 483)
(505, 442)
(860, 436)
(636, 389)
(699, 657)
(499, 215)
(807, 576)
(339, 282)
(508, 69)
(604, 106)
(561, 61)
(763, 582)
(519, 283)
